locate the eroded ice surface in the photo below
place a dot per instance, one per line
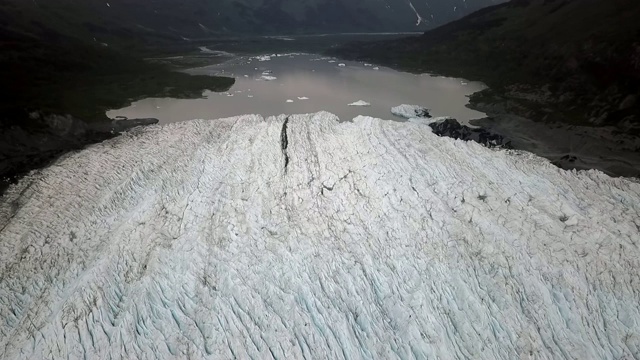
(410, 111)
(304, 237)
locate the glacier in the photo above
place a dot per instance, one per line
(304, 237)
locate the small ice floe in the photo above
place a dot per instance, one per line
(263, 58)
(367, 64)
(246, 75)
(411, 111)
(303, 98)
(249, 96)
(267, 72)
(238, 91)
(229, 95)
(464, 83)
(268, 78)
(332, 61)
(342, 65)
(289, 100)
(376, 68)
(360, 103)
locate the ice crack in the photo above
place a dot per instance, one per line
(284, 143)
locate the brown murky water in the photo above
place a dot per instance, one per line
(288, 84)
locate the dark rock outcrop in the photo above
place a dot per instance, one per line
(453, 129)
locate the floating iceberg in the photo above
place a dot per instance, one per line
(268, 78)
(411, 111)
(289, 100)
(262, 58)
(342, 65)
(300, 236)
(360, 103)
(303, 98)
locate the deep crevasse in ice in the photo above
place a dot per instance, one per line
(253, 238)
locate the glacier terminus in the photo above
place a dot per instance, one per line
(300, 236)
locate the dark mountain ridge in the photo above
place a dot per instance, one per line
(134, 21)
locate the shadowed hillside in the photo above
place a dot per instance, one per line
(573, 61)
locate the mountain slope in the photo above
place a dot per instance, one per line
(303, 237)
(574, 61)
(130, 21)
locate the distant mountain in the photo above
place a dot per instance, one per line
(131, 21)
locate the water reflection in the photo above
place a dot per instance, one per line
(309, 83)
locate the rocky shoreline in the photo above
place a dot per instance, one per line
(604, 148)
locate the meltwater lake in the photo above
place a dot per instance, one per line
(302, 83)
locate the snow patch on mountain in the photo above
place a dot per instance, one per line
(300, 236)
(419, 19)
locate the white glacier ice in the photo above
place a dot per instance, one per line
(410, 111)
(360, 103)
(302, 237)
